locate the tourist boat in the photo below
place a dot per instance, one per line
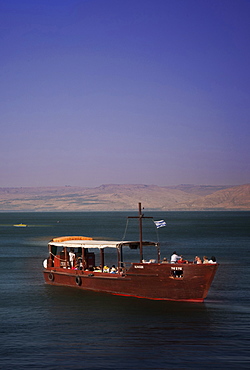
(20, 225)
(150, 279)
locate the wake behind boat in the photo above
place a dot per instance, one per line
(72, 262)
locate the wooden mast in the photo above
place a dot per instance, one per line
(140, 232)
(140, 217)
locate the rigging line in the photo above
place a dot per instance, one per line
(125, 232)
(57, 257)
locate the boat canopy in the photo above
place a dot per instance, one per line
(99, 244)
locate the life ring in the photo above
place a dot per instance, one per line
(51, 276)
(78, 281)
(45, 263)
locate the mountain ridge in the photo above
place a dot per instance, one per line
(121, 197)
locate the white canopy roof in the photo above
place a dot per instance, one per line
(100, 244)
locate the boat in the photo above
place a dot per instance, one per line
(20, 225)
(151, 279)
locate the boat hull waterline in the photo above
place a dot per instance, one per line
(156, 281)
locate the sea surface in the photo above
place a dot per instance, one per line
(47, 327)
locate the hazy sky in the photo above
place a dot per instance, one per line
(124, 91)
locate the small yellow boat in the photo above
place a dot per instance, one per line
(20, 225)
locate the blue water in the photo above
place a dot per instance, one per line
(46, 327)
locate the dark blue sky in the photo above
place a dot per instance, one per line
(124, 91)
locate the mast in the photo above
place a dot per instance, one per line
(140, 217)
(140, 232)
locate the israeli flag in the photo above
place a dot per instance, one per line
(160, 223)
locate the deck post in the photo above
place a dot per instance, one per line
(102, 258)
(66, 257)
(121, 257)
(84, 262)
(158, 253)
(50, 259)
(140, 233)
(118, 259)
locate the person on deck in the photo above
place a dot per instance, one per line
(212, 260)
(113, 270)
(72, 257)
(197, 260)
(79, 264)
(105, 268)
(174, 258)
(181, 260)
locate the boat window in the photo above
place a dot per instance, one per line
(177, 272)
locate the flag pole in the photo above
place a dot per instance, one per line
(140, 232)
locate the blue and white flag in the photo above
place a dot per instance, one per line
(160, 223)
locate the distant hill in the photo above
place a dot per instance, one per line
(113, 197)
(237, 197)
(199, 189)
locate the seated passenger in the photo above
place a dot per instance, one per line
(198, 260)
(105, 268)
(164, 260)
(181, 260)
(79, 263)
(205, 259)
(113, 270)
(212, 260)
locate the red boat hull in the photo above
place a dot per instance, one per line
(158, 281)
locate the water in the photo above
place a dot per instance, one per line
(64, 328)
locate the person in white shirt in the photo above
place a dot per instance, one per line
(212, 260)
(72, 257)
(174, 258)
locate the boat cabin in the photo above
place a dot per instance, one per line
(89, 254)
